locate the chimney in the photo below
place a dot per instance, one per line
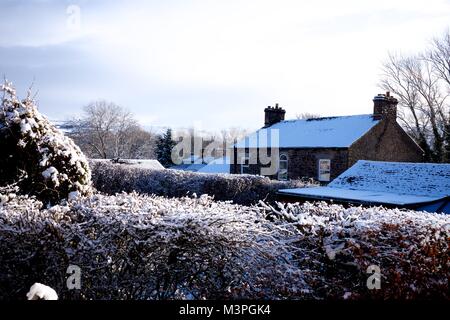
(385, 107)
(273, 115)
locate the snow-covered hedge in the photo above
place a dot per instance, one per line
(342, 248)
(147, 247)
(35, 154)
(242, 189)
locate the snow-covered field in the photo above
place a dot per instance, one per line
(147, 247)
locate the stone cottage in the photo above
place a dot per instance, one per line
(323, 148)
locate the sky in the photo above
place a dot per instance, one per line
(210, 64)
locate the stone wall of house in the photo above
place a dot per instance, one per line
(254, 166)
(387, 141)
(304, 162)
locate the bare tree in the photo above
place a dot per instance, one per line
(422, 85)
(233, 134)
(110, 131)
(439, 57)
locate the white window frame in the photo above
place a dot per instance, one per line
(280, 173)
(322, 174)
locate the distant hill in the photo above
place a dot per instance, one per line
(63, 125)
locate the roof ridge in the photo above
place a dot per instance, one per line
(405, 163)
(325, 117)
(325, 132)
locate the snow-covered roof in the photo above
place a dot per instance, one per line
(337, 132)
(219, 165)
(359, 195)
(210, 165)
(140, 163)
(420, 179)
(144, 163)
(192, 159)
(194, 167)
(396, 183)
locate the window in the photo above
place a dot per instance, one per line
(283, 167)
(245, 164)
(324, 170)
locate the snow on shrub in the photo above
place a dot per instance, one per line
(37, 155)
(148, 247)
(242, 189)
(339, 245)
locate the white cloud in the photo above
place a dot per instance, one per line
(321, 56)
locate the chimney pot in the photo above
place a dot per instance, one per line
(385, 106)
(273, 115)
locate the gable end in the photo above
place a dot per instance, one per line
(386, 141)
